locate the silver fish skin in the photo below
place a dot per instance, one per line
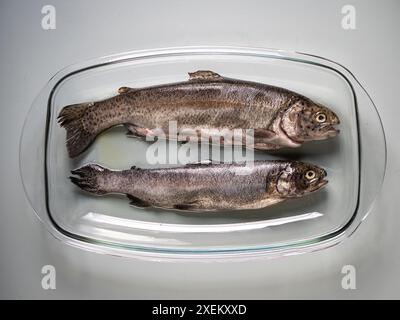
(205, 186)
(205, 104)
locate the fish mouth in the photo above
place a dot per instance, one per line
(320, 184)
(332, 131)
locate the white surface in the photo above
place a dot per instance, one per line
(85, 29)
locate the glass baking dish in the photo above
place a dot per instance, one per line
(355, 160)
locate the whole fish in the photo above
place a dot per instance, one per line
(205, 186)
(204, 105)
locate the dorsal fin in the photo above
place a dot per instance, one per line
(204, 75)
(135, 168)
(123, 90)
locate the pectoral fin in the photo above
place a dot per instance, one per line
(266, 146)
(264, 134)
(204, 75)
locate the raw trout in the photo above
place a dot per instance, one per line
(205, 186)
(206, 104)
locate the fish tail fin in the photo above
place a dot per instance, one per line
(91, 178)
(78, 138)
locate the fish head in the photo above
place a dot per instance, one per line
(300, 178)
(306, 120)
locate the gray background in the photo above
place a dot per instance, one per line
(86, 29)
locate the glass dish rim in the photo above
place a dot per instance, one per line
(315, 243)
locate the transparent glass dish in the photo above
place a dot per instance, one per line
(355, 161)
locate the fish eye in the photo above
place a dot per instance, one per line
(321, 117)
(310, 174)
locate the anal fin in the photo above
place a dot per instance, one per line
(136, 132)
(130, 134)
(194, 206)
(189, 206)
(136, 202)
(183, 206)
